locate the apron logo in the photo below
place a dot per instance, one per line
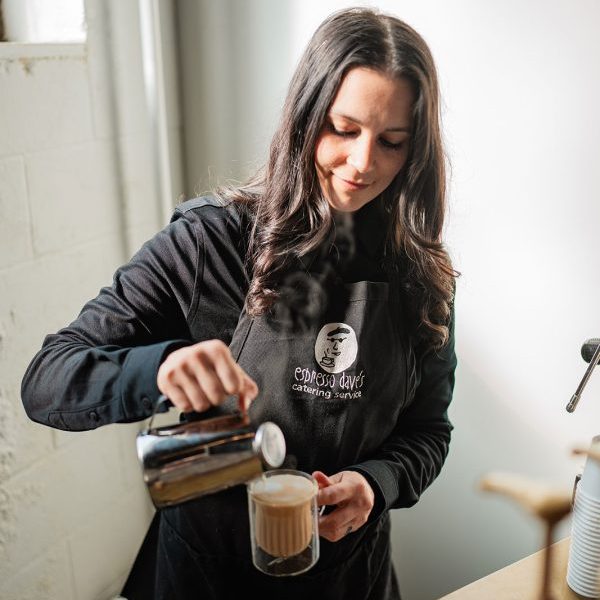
(336, 347)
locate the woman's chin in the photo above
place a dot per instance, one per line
(347, 203)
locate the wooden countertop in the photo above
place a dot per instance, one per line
(521, 580)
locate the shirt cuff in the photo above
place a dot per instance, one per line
(139, 390)
(383, 483)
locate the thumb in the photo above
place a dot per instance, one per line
(322, 479)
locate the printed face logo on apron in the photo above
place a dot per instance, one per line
(336, 347)
(336, 390)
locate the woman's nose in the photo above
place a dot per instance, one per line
(361, 155)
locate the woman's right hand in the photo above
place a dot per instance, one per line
(203, 375)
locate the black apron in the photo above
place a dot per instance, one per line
(336, 391)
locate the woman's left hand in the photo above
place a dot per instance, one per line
(353, 497)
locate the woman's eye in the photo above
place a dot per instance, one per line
(390, 145)
(340, 132)
(352, 133)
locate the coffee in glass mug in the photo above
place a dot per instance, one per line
(283, 514)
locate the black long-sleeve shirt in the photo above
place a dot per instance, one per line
(187, 284)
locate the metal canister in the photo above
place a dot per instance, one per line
(187, 460)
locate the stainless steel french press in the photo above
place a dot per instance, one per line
(187, 460)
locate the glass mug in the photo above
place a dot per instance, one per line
(284, 535)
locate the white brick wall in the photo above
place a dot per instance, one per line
(15, 238)
(47, 576)
(75, 201)
(72, 194)
(41, 108)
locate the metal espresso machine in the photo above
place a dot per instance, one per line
(187, 460)
(590, 352)
(583, 568)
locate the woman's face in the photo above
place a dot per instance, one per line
(364, 141)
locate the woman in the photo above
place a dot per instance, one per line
(349, 208)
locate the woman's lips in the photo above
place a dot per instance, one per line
(353, 185)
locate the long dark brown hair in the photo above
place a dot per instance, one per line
(291, 216)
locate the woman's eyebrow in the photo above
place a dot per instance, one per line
(358, 122)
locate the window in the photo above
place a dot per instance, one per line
(42, 21)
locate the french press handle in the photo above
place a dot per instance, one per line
(163, 404)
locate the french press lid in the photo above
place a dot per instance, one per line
(269, 444)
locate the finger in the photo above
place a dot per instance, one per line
(334, 493)
(248, 393)
(336, 530)
(228, 371)
(167, 384)
(322, 480)
(208, 380)
(336, 534)
(192, 390)
(178, 398)
(336, 522)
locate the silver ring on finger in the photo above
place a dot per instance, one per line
(349, 530)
